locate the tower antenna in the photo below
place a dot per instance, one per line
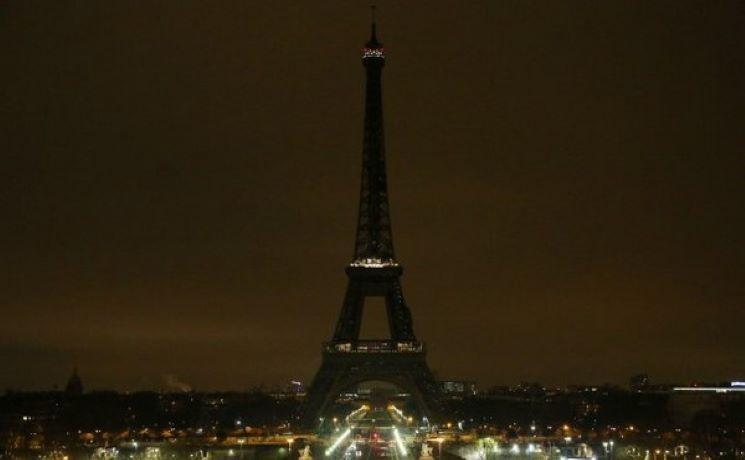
(373, 38)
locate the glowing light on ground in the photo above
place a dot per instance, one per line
(357, 413)
(399, 442)
(397, 413)
(338, 441)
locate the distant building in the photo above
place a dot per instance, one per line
(639, 382)
(74, 385)
(458, 388)
(295, 387)
(293, 390)
(736, 386)
(689, 404)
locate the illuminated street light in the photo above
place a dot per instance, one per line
(241, 441)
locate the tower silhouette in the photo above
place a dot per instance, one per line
(373, 272)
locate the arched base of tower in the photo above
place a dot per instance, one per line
(344, 370)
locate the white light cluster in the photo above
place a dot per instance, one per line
(338, 441)
(711, 389)
(374, 262)
(372, 52)
(399, 442)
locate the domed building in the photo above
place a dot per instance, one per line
(74, 385)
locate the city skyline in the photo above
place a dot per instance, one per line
(565, 187)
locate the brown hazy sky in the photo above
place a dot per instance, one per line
(179, 187)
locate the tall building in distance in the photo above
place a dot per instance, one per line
(639, 382)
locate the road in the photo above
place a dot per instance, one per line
(371, 433)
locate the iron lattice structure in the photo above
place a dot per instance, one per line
(373, 272)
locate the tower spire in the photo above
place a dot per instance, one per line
(373, 39)
(374, 242)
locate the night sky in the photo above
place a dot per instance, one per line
(180, 183)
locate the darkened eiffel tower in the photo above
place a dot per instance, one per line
(374, 272)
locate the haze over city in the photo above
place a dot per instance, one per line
(181, 179)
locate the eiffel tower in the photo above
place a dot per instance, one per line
(373, 272)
